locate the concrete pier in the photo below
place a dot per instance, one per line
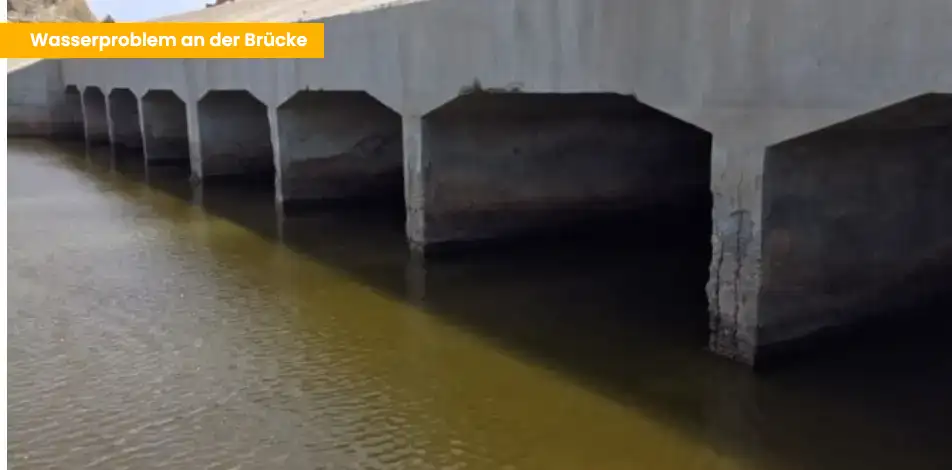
(520, 116)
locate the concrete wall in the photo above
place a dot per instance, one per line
(337, 145)
(495, 164)
(164, 128)
(35, 100)
(235, 136)
(124, 122)
(95, 117)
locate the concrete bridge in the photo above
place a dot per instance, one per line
(822, 129)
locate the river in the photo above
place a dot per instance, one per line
(155, 325)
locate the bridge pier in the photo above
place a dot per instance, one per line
(124, 123)
(234, 137)
(493, 165)
(95, 117)
(338, 146)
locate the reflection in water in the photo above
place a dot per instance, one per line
(154, 324)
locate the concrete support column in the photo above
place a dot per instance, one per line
(95, 117)
(165, 128)
(124, 130)
(278, 152)
(235, 137)
(489, 165)
(415, 163)
(735, 273)
(194, 139)
(337, 146)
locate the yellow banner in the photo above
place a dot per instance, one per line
(162, 40)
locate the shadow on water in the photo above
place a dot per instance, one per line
(621, 309)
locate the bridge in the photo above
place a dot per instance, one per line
(822, 130)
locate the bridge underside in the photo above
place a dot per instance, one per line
(491, 165)
(856, 220)
(165, 129)
(338, 147)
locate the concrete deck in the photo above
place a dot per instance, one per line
(491, 88)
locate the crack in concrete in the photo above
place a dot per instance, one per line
(715, 309)
(738, 262)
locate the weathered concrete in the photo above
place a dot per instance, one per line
(95, 117)
(853, 215)
(164, 128)
(235, 136)
(752, 73)
(125, 129)
(488, 165)
(337, 146)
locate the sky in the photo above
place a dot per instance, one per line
(137, 10)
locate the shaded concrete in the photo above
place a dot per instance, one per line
(857, 220)
(834, 226)
(490, 165)
(34, 98)
(68, 124)
(165, 128)
(235, 136)
(124, 122)
(336, 146)
(95, 117)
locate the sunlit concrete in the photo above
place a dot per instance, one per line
(124, 123)
(338, 146)
(35, 98)
(235, 136)
(95, 117)
(165, 128)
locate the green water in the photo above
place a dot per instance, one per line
(155, 325)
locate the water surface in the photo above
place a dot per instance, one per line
(156, 325)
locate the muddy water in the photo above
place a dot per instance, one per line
(155, 325)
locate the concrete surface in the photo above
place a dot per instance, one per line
(488, 165)
(338, 146)
(34, 98)
(752, 73)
